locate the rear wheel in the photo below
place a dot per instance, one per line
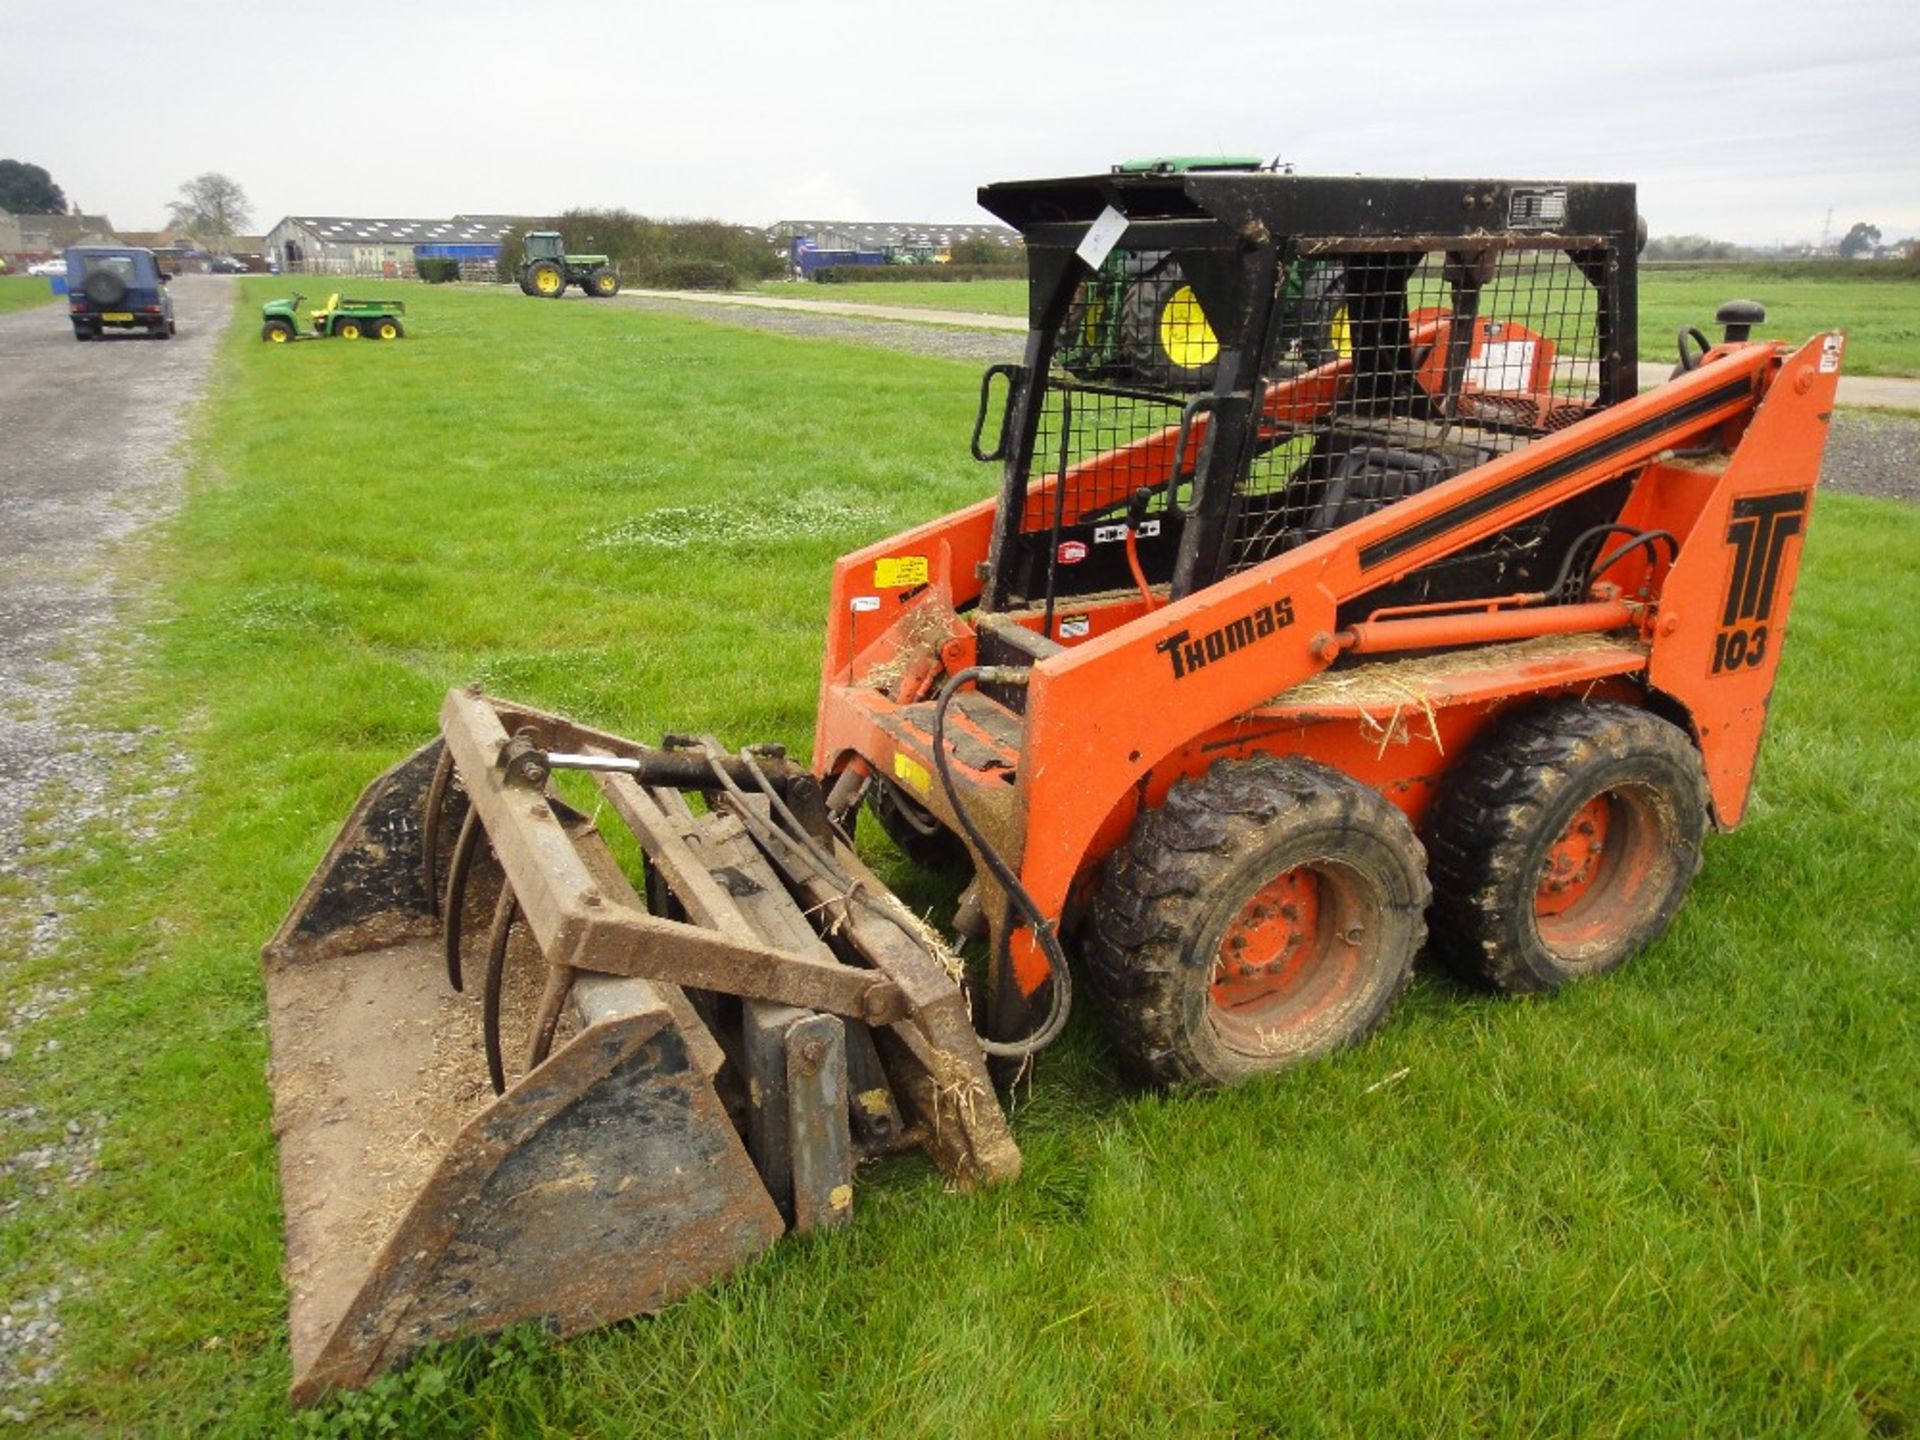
(388, 328)
(1264, 914)
(1168, 333)
(602, 282)
(1565, 846)
(547, 280)
(347, 330)
(277, 332)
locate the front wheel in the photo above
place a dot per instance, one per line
(602, 282)
(1566, 844)
(277, 332)
(1265, 913)
(388, 328)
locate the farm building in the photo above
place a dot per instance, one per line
(34, 237)
(342, 245)
(900, 241)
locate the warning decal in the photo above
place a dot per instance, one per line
(896, 572)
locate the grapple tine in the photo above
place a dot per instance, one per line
(454, 907)
(505, 911)
(546, 1019)
(430, 831)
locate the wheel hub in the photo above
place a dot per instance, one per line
(1271, 942)
(1573, 860)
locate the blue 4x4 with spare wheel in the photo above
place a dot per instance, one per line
(119, 287)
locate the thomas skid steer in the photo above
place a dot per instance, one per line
(1246, 685)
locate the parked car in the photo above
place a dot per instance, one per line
(226, 265)
(48, 267)
(117, 287)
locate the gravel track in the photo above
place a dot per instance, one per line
(91, 451)
(1868, 452)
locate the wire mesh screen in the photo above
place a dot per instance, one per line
(1388, 371)
(1400, 369)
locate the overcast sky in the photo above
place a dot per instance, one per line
(1746, 121)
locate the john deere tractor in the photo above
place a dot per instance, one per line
(1136, 320)
(547, 270)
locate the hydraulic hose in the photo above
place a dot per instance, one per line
(1061, 1004)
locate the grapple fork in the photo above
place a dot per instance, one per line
(640, 1098)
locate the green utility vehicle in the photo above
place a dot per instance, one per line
(547, 270)
(339, 318)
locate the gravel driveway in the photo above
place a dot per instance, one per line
(1868, 453)
(91, 451)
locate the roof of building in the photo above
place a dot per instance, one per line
(351, 230)
(872, 234)
(63, 230)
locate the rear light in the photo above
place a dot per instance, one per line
(149, 309)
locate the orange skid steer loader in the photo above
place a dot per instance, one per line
(1403, 621)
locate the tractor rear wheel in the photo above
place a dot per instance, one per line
(602, 282)
(1566, 844)
(1263, 914)
(1169, 338)
(547, 280)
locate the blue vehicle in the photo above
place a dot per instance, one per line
(117, 287)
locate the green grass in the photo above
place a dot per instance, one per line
(24, 292)
(1881, 316)
(1682, 1201)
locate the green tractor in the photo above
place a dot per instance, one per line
(339, 319)
(547, 270)
(1137, 321)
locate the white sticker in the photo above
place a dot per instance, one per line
(1075, 627)
(864, 603)
(1830, 354)
(1107, 534)
(1101, 237)
(1504, 365)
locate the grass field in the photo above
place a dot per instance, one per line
(23, 292)
(1682, 1201)
(1881, 317)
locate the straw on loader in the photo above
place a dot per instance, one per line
(1443, 635)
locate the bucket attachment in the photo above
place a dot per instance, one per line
(508, 1088)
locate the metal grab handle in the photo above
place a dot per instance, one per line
(1014, 374)
(1199, 405)
(1689, 361)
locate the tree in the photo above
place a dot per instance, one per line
(211, 207)
(1860, 240)
(28, 190)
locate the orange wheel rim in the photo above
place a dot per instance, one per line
(1596, 874)
(1573, 861)
(1289, 954)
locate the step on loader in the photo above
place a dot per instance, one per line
(1438, 636)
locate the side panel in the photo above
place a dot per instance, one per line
(1724, 619)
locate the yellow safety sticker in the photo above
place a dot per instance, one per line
(840, 1197)
(896, 572)
(906, 768)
